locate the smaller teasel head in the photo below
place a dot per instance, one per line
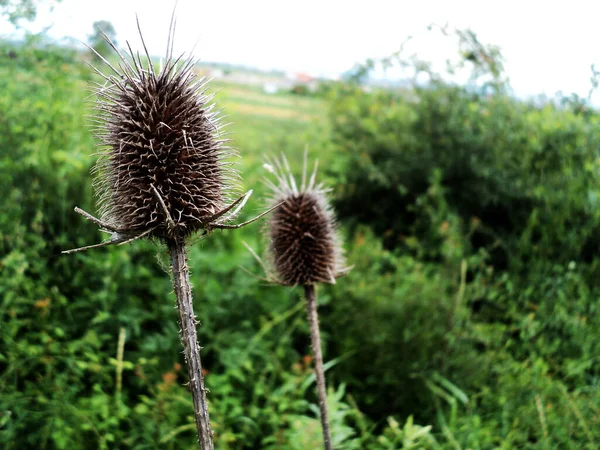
(304, 246)
(164, 167)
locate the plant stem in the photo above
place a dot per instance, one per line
(183, 291)
(313, 320)
(119, 369)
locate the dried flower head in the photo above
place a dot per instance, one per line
(163, 165)
(304, 246)
(164, 168)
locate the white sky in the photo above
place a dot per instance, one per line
(548, 45)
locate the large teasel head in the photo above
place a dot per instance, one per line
(164, 170)
(164, 167)
(304, 245)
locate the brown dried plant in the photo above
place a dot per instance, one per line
(164, 172)
(304, 249)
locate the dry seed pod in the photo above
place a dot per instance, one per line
(163, 165)
(304, 249)
(163, 170)
(304, 246)
(163, 173)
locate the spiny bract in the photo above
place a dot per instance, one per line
(161, 143)
(304, 247)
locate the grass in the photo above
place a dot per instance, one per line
(267, 124)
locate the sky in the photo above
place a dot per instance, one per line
(548, 46)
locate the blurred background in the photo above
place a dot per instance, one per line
(461, 146)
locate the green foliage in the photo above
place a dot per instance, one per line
(97, 41)
(15, 10)
(509, 168)
(469, 319)
(477, 314)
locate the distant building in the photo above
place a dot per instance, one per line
(270, 82)
(303, 81)
(304, 78)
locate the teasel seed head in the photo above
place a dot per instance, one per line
(164, 167)
(304, 244)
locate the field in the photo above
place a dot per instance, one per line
(469, 320)
(264, 125)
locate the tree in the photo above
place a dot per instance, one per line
(15, 10)
(102, 29)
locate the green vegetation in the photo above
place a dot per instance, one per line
(102, 29)
(469, 321)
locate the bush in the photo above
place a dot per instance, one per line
(525, 175)
(476, 314)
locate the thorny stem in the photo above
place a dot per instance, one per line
(119, 368)
(313, 320)
(183, 291)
